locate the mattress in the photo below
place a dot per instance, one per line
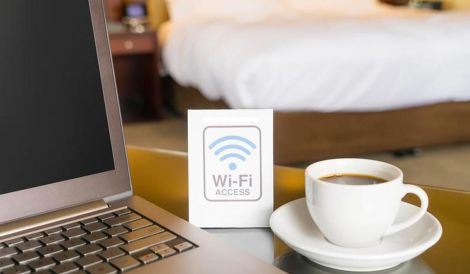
(300, 63)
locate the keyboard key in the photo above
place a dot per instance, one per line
(89, 249)
(183, 246)
(65, 268)
(42, 264)
(74, 233)
(28, 246)
(6, 263)
(125, 263)
(53, 231)
(8, 251)
(122, 219)
(111, 253)
(14, 242)
(138, 224)
(49, 250)
(141, 233)
(52, 239)
(72, 225)
(89, 221)
(159, 248)
(111, 242)
(166, 253)
(148, 258)
(73, 243)
(88, 261)
(102, 268)
(17, 269)
(34, 236)
(66, 256)
(115, 231)
(106, 216)
(95, 227)
(26, 257)
(95, 237)
(148, 242)
(122, 212)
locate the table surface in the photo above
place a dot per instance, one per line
(160, 176)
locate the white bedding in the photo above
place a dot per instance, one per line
(297, 63)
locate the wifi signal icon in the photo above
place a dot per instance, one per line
(231, 149)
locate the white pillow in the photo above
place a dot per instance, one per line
(179, 9)
(336, 7)
(241, 9)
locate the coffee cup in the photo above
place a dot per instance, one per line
(354, 202)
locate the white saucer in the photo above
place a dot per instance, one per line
(293, 225)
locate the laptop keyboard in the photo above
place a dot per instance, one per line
(111, 243)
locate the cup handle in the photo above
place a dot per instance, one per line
(423, 197)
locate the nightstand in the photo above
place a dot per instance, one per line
(136, 67)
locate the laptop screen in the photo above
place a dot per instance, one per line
(53, 123)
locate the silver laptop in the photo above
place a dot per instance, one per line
(66, 203)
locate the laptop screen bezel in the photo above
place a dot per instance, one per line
(54, 196)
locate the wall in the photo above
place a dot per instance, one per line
(458, 4)
(157, 12)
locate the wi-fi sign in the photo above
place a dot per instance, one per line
(232, 163)
(232, 149)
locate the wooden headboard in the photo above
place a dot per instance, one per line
(158, 12)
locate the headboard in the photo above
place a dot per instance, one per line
(158, 12)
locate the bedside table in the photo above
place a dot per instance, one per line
(136, 67)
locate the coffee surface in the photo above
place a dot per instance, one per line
(352, 179)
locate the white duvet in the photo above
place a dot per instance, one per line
(323, 64)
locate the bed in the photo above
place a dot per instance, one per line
(341, 83)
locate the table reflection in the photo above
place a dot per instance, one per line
(294, 263)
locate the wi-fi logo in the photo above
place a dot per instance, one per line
(233, 148)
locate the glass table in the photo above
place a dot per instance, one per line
(160, 176)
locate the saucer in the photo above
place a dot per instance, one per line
(293, 225)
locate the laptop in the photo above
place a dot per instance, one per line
(66, 202)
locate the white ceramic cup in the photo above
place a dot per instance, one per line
(358, 215)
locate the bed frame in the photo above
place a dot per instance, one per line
(309, 136)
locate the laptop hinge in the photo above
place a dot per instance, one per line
(51, 217)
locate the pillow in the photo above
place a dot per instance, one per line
(179, 9)
(241, 9)
(336, 7)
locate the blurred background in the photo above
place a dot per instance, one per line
(387, 80)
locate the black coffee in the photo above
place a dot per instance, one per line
(352, 179)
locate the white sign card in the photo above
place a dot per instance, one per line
(230, 167)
